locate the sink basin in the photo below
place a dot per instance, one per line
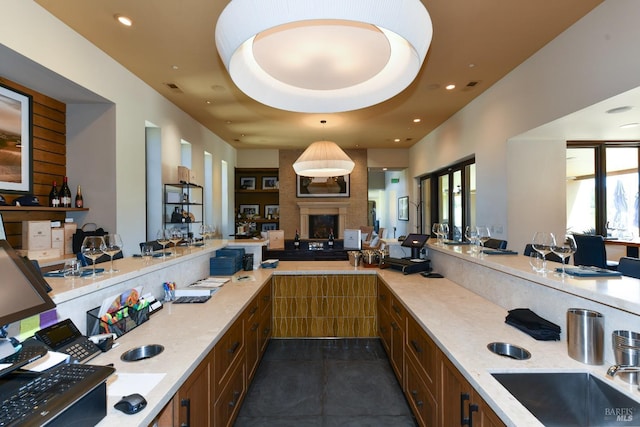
(571, 399)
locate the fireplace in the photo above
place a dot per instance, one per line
(336, 210)
(321, 225)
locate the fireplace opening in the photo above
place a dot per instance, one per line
(321, 225)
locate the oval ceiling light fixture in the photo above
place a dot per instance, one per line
(323, 56)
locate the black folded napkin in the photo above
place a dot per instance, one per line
(530, 323)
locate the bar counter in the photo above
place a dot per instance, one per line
(462, 313)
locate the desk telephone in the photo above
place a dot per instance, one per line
(64, 337)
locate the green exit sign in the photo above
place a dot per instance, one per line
(395, 180)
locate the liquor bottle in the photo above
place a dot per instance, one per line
(296, 241)
(79, 200)
(330, 243)
(54, 198)
(65, 194)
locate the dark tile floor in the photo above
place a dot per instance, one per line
(324, 383)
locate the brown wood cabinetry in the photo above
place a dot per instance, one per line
(437, 392)
(193, 398)
(213, 393)
(460, 404)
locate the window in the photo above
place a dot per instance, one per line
(602, 188)
(448, 196)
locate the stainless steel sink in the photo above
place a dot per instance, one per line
(571, 399)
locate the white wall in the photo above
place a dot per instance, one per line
(67, 57)
(593, 60)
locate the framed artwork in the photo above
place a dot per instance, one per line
(268, 226)
(247, 182)
(250, 211)
(403, 208)
(269, 182)
(15, 141)
(272, 211)
(335, 186)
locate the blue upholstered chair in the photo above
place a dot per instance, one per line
(629, 267)
(591, 251)
(495, 244)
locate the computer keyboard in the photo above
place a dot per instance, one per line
(41, 398)
(31, 350)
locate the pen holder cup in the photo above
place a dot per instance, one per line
(119, 323)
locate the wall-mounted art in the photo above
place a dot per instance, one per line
(16, 141)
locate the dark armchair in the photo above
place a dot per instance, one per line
(591, 251)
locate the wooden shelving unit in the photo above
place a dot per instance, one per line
(257, 199)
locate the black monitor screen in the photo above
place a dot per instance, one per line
(415, 240)
(22, 289)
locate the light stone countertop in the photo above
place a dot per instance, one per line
(461, 322)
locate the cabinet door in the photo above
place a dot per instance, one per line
(397, 349)
(193, 398)
(459, 401)
(252, 337)
(421, 400)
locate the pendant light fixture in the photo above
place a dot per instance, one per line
(323, 56)
(323, 159)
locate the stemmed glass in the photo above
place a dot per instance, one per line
(163, 239)
(175, 237)
(113, 245)
(564, 249)
(471, 233)
(204, 233)
(92, 248)
(435, 229)
(444, 232)
(542, 243)
(483, 235)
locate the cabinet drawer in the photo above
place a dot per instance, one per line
(422, 402)
(229, 349)
(228, 403)
(397, 310)
(424, 351)
(384, 296)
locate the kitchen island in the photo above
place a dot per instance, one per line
(461, 313)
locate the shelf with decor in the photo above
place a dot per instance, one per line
(183, 207)
(257, 198)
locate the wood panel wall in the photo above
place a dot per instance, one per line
(48, 160)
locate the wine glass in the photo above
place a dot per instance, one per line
(175, 237)
(92, 248)
(204, 233)
(542, 243)
(471, 234)
(163, 239)
(444, 232)
(564, 249)
(435, 229)
(113, 245)
(483, 235)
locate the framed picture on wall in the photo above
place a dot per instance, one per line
(403, 208)
(250, 211)
(15, 141)
(335, 186)
(269, 182)
(247, 182)
(272, 211)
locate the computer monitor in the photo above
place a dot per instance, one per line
(415, 242)
(22, 292)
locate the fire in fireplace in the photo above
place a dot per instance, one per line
(321, 225)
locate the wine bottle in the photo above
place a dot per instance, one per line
(330, 242)
(65, 194)
(54, 198)
(296, 241)
(79, 200)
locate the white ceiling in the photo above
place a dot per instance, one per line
(172, 42)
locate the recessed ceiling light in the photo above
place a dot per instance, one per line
(619, 110)
(207, 101)
(396, 140)
(174, 67)
(417, 120)
(472, 65)
(124, 20)
(384, 169)
(629, 125)
(450, 87)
